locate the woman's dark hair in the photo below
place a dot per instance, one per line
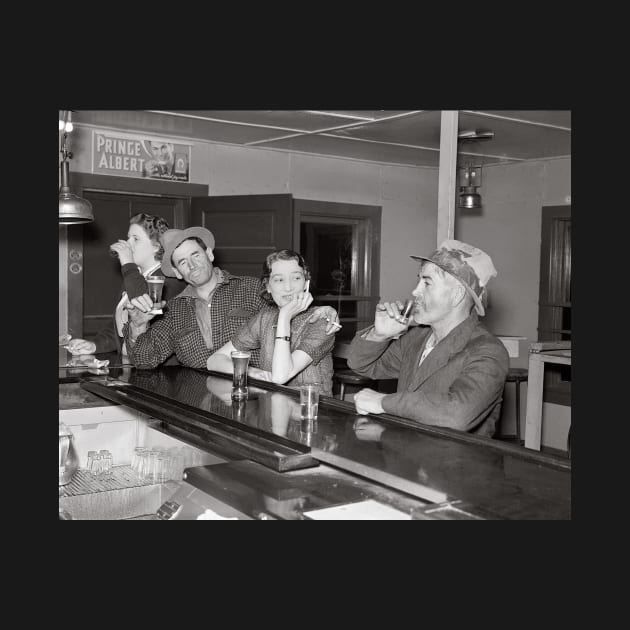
(154, 226)
(281, 254)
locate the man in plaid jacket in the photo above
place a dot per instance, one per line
(205, 315)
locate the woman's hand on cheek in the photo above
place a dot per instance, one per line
(297, 304)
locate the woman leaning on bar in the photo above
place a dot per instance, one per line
(292, 351)
(140, 256)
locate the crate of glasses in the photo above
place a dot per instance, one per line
(99, 464)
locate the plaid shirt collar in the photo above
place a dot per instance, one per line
(222, 278)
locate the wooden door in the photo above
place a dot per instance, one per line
(246, 228)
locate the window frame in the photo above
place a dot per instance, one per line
(366, 223)
(555, 295)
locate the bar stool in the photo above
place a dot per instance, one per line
(517, 376)
(348, 377)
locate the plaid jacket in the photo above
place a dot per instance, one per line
(134, 283)
(234, 301)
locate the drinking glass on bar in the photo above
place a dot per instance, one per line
(156, 285)
(240, 361)
(309, 401)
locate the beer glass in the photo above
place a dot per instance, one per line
(240, 361)
(309, 401)
(156, 284)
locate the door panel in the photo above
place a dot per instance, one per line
(246, 228)
(101, 273)
(165, 208)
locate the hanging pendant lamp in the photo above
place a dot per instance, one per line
(72, 208)
(470, 174)
(471, 180)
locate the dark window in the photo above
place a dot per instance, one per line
(340, 242)
(554, 303)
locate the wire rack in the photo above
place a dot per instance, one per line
(83, 482)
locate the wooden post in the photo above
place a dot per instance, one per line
(533, 411)
(447, 177)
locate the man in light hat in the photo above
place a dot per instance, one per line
(451, 371)
(205, 315)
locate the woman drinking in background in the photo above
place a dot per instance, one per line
(139, 256)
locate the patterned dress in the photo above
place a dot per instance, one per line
(260, 332)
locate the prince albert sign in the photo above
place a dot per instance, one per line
(131, 155)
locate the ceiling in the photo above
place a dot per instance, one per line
(394, 137)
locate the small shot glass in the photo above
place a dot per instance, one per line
(161, 471)
(90, 459)
(403, 318)
(135, 458)
(107, 461)
(144, 465)
(95, 465)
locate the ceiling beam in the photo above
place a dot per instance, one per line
(337, 128)
(535, 123)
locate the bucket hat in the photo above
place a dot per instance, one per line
(171, 239)
(470, 265)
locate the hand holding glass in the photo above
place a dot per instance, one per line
(403, 318)
(156, 284)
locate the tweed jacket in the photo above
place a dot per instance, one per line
(458, 385)
(234, 301)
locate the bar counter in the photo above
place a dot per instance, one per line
(266, 454)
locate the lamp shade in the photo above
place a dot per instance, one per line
(72, 209)
(469, 198)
